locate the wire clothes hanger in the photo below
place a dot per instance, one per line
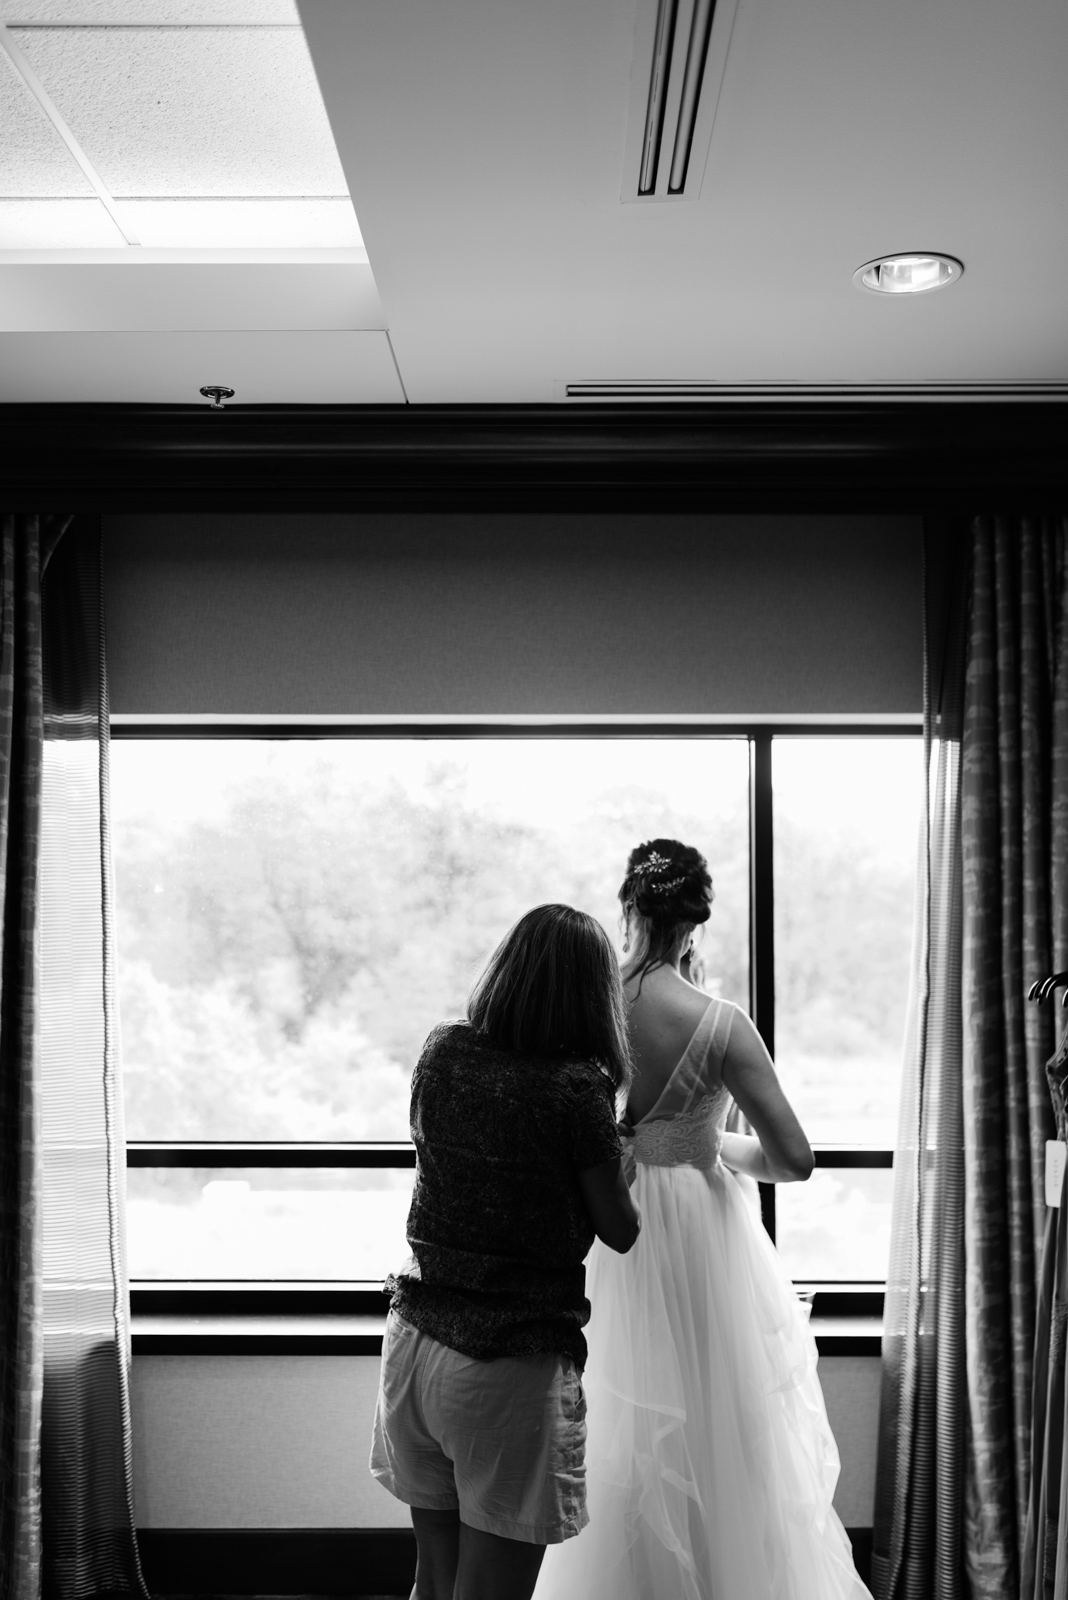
(1042, 988)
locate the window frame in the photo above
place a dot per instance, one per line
(272, 1298)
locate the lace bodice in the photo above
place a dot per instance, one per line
(689, 1138)
(685, 1127)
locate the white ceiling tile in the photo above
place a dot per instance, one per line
(194, 112)
(141, 12)
(169, 368)
(243, 224)
(33, 158)
(56, 225)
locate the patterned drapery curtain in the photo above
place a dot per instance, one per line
(65, 1493)
(22, 540)
(955, 1429)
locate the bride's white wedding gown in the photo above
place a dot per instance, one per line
(710, 1462)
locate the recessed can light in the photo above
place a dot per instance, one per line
(908, 274)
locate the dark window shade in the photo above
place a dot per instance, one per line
(501, 614)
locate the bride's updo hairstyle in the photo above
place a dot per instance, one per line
(667, 890)
(552, 988)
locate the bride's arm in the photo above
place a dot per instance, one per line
(741, 1152)
(780, 1153)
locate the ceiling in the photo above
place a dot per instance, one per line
(201, 132)
(173, 212)
(491, 150)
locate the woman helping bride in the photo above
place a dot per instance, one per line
(710, 1463)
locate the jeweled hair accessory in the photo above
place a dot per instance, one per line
(652, 863)
(666, 888)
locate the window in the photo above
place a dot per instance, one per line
(296, 913)
(846, 815)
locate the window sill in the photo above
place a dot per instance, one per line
(320, 1335)
(255, 1297)
(848, 1336)
(338, 1335)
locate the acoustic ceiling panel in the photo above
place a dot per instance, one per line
(191, 111)
(34, 161)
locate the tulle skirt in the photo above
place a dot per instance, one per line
(710, 1462)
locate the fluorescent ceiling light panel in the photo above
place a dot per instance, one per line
(245, 224)
(141, 13)
(57, 225)
(63, 224)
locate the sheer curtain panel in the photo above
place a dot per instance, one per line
(916, 1549)
(89, 1545)
(955, 1430)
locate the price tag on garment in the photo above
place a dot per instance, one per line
(1056, 1151)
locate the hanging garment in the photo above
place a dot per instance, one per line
(1045, 1560)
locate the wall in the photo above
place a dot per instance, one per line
(458, 615)
(282, 1441)
(257, 1442)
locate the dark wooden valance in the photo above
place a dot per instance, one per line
(817, 455)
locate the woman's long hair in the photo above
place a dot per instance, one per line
(667, 892)
(552, 988)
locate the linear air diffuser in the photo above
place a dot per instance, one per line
(680, 51)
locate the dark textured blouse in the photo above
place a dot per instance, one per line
(498, 1227)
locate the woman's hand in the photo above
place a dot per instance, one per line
(628, 1162)
(616, 1219)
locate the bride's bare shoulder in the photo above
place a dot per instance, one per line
(662, 1020)
(661, 996)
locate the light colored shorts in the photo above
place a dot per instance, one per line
(502, 1442)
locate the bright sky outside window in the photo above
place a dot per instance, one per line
(201, 119)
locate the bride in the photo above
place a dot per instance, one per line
(710, 1462)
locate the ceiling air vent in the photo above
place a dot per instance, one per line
(680, 51)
